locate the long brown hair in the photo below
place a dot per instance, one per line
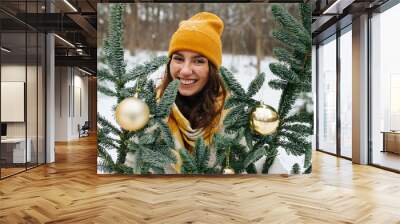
(201, 110)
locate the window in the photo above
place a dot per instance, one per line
(22, 75)
(385, 88)
(346, 92)
(327, 96)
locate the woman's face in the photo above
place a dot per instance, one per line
(191, 69)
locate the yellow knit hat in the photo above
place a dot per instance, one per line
(201, 33)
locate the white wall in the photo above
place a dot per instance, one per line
(50, 96)
(33, 125)
(314, 93)
(61, 103)
(14, 73)
(71, 94)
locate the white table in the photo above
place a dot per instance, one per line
(19, 149)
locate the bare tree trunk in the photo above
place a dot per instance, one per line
(174, 13)
(259, 39)
(135, 27)
(184, 12)
(202, 7)
(158, 17)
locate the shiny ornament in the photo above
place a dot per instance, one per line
(132, 114)
(228, 170)
(264, 120)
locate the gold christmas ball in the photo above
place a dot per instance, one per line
(264, 119)
(228, 170)
(132, 114)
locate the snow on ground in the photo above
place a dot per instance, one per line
(244, 69)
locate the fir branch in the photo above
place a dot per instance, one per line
(198, 162)
(269, 160)
(305, 11)
(249, 138)
(308, 169)
(295, 169)
(231, 102)
(106, 164)
(132, 146)
(307, 158)
(107, 142)
(242, 121)
(107, 125)
(290, 24)
(296, 136)
(122, 149)
(288, 98)
(231, 83)
(285, 19)
(253, 156)
(105, 90)
(238, 155)
(284, 73)
(233, 115)
(300, 128)
(256, 84)
(299, 141)
(283, 55)
(167, 99)
(143, 70)
(220, 143)
(303, 117)
(166, 151)
(150, 96)
(154, 158)
(290, 40)
(139, 84)
(251, 169)
(202, 155)
(277, 84)
(114, 51)
(125, 92)
(105, 75)
(166, 133)
(147, 139)
(295, 78)
(188, 164)
(237, 152)
(293, 148)
(304, 87)
(123, 169)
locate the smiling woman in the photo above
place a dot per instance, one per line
(191, 69)
(195, 55)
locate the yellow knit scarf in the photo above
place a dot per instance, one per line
(185, 136)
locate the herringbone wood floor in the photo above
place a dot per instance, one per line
(70, 191)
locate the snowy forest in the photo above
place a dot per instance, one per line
(247, 31)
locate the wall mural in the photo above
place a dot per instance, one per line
(204, 88)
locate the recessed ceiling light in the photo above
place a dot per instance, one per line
(70, 5)
(338, 6)
(64, 40)
(5, 49)
(84, 71)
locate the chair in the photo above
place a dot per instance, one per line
(84, 130)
